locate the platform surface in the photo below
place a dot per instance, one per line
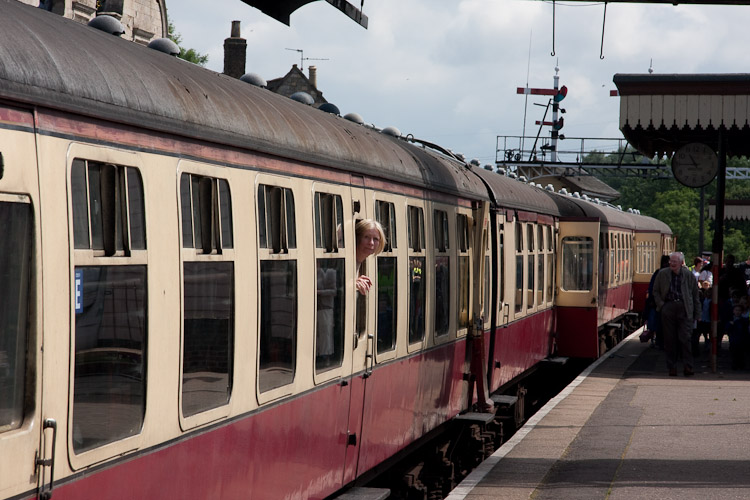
(628, 431)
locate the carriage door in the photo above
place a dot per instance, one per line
(362, 342)
(577, 294)
(20, 328)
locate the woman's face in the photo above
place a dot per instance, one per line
(367, 243)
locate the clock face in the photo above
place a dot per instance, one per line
(695, 164)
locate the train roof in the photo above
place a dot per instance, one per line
(60, 64)
(507, 192)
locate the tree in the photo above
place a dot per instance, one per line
(188, 54)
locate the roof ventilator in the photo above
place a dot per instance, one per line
(108, 24)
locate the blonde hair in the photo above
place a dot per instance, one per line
(366, 225)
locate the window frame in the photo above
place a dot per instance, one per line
(267, 254)
(87, 257)
(345, 252)
(218, 253)
(417, 248)
(393, 250)
(443, 246)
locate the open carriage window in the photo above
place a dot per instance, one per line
(109, 286)
(330, 265)
(277, 238)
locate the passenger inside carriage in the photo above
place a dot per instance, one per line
(370, 241)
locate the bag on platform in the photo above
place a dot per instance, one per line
(646, 335)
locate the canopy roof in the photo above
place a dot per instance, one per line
(660, 113)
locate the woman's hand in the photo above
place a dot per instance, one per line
(363, 284)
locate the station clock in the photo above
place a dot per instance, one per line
(695, 164)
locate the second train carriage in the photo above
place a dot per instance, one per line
(179, 312)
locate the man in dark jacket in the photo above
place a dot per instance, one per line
(676, 297)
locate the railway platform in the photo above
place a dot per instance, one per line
(625, 430)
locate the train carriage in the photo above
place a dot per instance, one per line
(179, 313)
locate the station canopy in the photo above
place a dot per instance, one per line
(282, 9)
(660, 113)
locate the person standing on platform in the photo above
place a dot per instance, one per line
(652, 315)
(676, 297)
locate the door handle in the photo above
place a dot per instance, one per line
(45, 493)
(370, 355)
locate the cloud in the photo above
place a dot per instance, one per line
(447, 70)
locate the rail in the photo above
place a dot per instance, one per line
(531, 157)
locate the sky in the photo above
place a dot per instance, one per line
(446, 71)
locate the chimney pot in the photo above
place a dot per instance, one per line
(313, 76)
(235, 52)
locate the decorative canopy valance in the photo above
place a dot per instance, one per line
(660, 113)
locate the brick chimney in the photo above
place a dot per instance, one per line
(313, 76)
(235, 52)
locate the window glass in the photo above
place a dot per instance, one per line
(80, 205)
(110, 354)
(416, 299)
(262, 222)
(95, 207)
(276, 219)
(416, 229)
(207, 357)
(540, 278)
(225, 209)
(487, 286)
(137, 210)
(442, 294)
(329, 222)
(386, 319)
(577, 262)
(462, 233)
(329, 328)
(115, 202)
(519, 268)
(278, 323)
(385, 214)
(530, 282)
(15, 275)
(501, 279)
(187, 219)
(463, 292)
(550, 275)
(442, 236)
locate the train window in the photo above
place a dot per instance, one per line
(519, 268)
(278, 323)
(109, 380)
(416, 275)
(385, 213)
(278, 288)
(208, 355)
(442, 274)
(276, 219)
(550, 264)
(15, 272)
(108, 211)
(329, 222)
(540, 267)
(577, 261)
(330, 282)
(110, 353)
(440, 223)
(501, 265)
(206, 213)
(208, 293)
(530, 282)
(463, 270)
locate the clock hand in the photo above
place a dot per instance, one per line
(692, 160)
